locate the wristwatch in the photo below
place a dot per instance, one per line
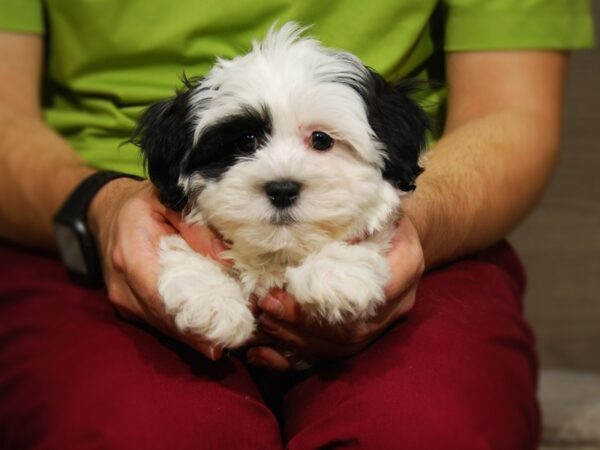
(76, 245)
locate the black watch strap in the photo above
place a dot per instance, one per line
(79, 200)
(76, 244)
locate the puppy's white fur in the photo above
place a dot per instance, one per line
(343, 197)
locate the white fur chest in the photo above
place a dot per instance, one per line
(337, 282)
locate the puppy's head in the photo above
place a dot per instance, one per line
(287, 145)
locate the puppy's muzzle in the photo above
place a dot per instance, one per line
(283, 193)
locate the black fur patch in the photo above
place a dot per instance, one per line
(400, 124)
(165, 136)
(223, 143)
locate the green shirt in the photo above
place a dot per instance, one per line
(108, 59)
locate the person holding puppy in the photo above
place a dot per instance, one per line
(447, 362)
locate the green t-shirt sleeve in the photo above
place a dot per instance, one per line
(518, 24)
(22, 15)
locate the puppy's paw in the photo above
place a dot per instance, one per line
(341, 283)
(223, 322)
(202, 299)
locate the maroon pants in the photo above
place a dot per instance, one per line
(458, 373)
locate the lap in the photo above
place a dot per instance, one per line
(75, 376)
(458, 373)
(460, 370)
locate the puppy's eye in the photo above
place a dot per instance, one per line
(248, 142)
(320, 141)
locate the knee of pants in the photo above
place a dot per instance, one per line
(419, 433)
(116, 420)
(422, 425)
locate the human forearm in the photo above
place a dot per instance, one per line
(480, 181)
(39, 170)
(497, 153)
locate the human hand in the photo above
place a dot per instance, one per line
(309, 341)
(128, 221)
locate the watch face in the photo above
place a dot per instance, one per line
(70, 249)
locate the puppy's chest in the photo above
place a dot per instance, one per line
(258, 274)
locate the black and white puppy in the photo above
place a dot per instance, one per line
(290, 151)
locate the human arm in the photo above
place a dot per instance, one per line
(40, 169)
(496, 155)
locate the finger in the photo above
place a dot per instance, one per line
(281, 306)
(211, 351)
(405, 259)
(200, 238)
(268, 358)
(123, 300)
(390, 312)
(260, 338)
(198, 342)
(252, 304)
(306, 342)
(275, 359)
(176, 218)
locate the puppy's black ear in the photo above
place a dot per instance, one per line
(165, 137)
(401, 125)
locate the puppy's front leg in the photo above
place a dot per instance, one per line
(201, 297)
(340, 283)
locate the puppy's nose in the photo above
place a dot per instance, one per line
(282, 193)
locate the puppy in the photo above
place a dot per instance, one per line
(291, 152)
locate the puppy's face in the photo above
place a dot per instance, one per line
(288, 145)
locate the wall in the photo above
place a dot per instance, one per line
(560, 242)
